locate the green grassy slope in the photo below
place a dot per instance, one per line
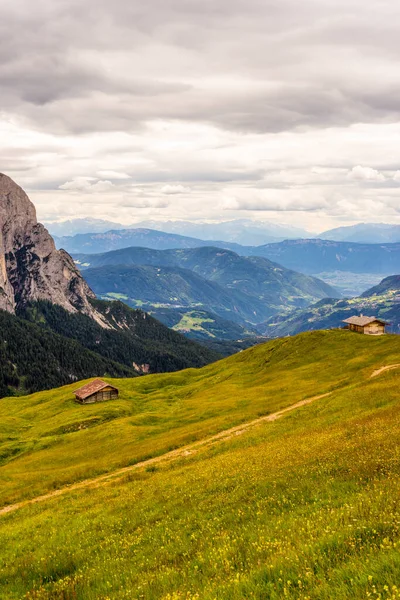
(302, 508)
(50, 435)
(201, 325)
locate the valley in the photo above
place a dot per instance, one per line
(199, 300)
(243, 290)
(348, 283)
(271, 473)
(350, 267)
(382, 300)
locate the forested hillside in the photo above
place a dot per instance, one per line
(240, 289)
(381, 301)
(33, 358)
(137, 337)
(46, 346)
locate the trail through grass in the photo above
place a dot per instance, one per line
(174, 454)
(304, 507)
(48, 441)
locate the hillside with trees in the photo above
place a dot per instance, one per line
(45, 346)
(245, 290)
(381, 301)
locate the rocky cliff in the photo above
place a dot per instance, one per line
(30, 266)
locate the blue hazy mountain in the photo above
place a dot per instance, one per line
(366, 233)
(241, 231)
(237, 288)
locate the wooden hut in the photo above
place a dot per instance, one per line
(366, 325)
(96, 391)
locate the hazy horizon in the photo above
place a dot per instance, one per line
(257, 223)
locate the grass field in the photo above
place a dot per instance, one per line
(306, 507)
(189, 322)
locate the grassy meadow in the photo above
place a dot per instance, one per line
(306, 507)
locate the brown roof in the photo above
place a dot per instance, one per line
(92, 388)
(362, 321)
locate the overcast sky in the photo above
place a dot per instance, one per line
(215, 109)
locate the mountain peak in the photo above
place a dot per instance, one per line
(31, 268)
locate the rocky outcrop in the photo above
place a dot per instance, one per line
(31, 268)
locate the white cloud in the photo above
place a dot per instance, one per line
(360, 173)
(171, 190)
(85, 184)
(273, 201)
(275, 172)
(112, 175)
(102, 186)
(151, 203)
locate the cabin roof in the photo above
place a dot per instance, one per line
(92, 388)
(362, 321)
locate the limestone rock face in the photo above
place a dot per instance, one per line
(31, 268)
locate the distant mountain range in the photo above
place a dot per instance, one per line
(239, 289)
(240, 231)
(311, 256)
(381, 301)
(125, 238)
(75, 226)
(365, 233)
(349, 267)
(317, 256)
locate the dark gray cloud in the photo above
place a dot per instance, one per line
(243, 65)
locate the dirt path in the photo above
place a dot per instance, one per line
(383, 369)
(184, 451)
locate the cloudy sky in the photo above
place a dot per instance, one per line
(215, 109)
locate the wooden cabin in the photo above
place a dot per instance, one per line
(366, 325)
(96, 391)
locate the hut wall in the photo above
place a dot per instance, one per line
(375, 329)
(357, 328)
(371, 329)
(107, 393)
